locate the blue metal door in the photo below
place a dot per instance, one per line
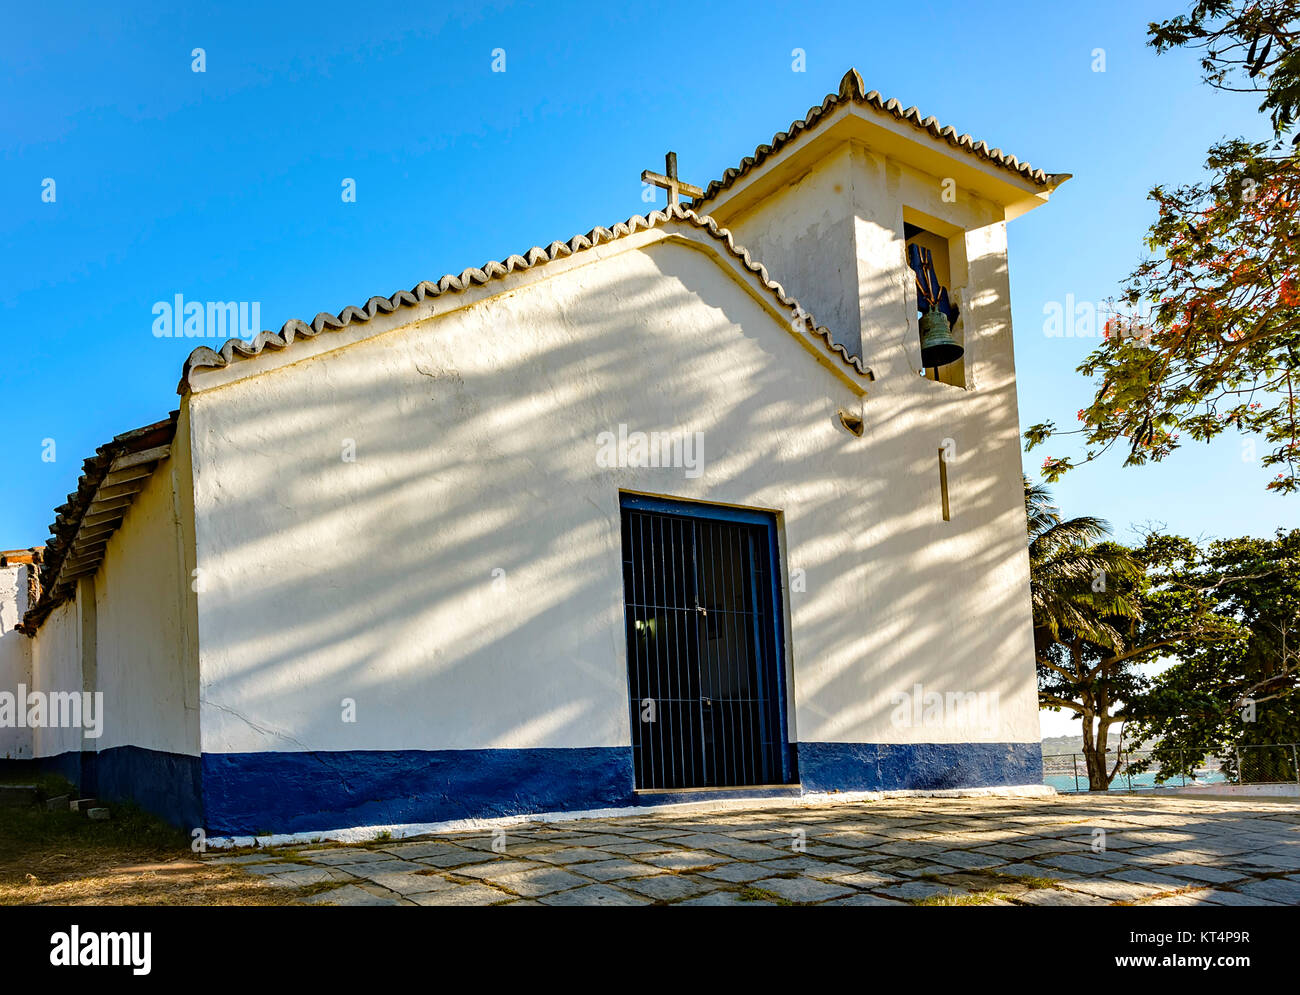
(705, 677)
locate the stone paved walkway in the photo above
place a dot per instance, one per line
(1067, 850)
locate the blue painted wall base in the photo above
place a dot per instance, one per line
(918, 766)
(166, 784)
(251, 793)
(243, 794)
(247, 793)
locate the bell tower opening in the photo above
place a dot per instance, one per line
(934, 263)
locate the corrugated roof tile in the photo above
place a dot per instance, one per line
(851, 90)
(204, 357)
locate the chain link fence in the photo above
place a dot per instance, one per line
(1277, 763)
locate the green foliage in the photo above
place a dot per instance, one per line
(1077, 582)
(1243, 688)
(1219, 346)
(1101, 609)
(1247, 46)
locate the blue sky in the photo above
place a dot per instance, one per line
(225, 185)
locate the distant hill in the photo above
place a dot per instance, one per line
(1056, 745)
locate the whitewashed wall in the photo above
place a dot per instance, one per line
(947, 603)
(56, 667)
(475, 450)
(144, 663)
(15, 655)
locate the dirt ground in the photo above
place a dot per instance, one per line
(63, 858)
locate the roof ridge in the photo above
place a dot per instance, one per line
(204, 357)
(853, 90)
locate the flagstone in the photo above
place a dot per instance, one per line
(276, 868)
(1201, 872)
(965, 858)
(1051, 896)
(864, 899)
(1153, 876)
(1267, 861)
(500, 868)
(370, 868)
(667, 887)
(613, 870)
(457, 857)
(629, 849)
(411, 851)
(1182, 898)
(305, 876)
(863, 879)
(464, 894)
(923, 871)
(1071, 862)
(915, 890)
(351, 895)
(594, 894)
(348, 856)
(724, 898)
(683, 860)
(738, 873)
(1217, 897)
(1284, 891)
(573, 855)
(1113, 890)
(538, 882)
(408, 883)
(802, 889)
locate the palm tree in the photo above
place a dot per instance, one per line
(1076, 578)
(1079, 586)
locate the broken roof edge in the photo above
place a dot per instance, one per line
(141, 448)
(19, 557)
(853, 91)
(205, 358)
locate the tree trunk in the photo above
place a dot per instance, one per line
(1094, 741)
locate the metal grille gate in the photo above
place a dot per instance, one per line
(703, 663)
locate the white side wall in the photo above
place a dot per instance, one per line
(143, 661)
(127, 632)
(15, 655)
(56, 667)
(475, 452)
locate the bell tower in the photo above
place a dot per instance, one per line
(890, 229)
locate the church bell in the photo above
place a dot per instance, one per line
(938, 348)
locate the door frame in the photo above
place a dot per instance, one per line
(776, 579)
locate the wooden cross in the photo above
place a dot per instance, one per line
(671, 183)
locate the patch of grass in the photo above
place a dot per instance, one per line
(751, 894)
(71, 834)
(133, 858)
(47, 785)
(320, 887)
(1030, 881)
(961, 898)
(983, 887)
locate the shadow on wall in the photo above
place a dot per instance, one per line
(378, 587)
